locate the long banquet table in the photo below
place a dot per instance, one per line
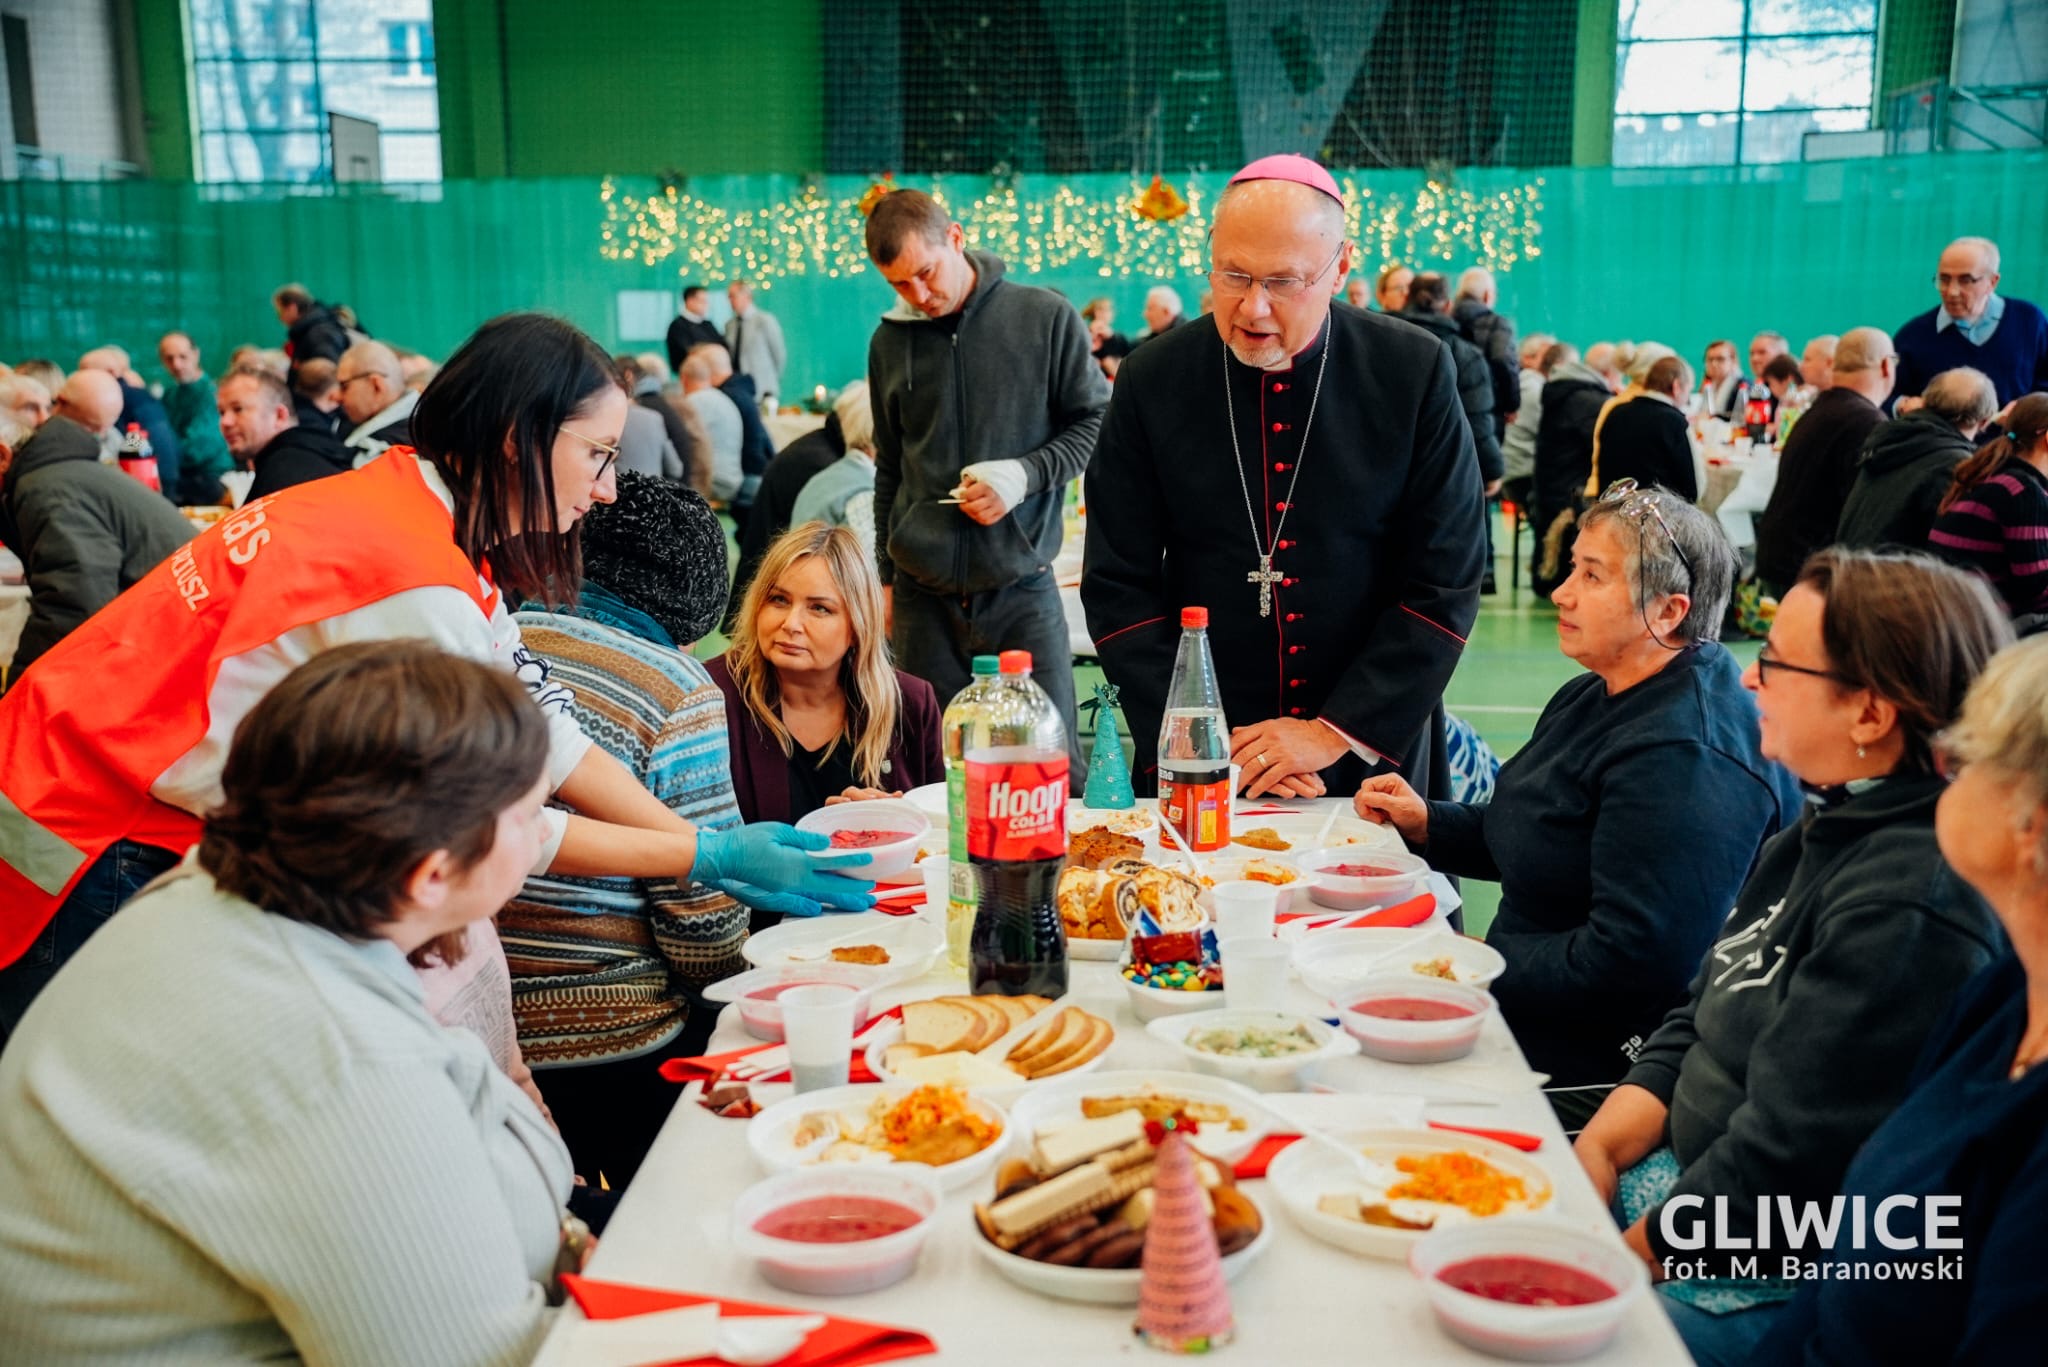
(1303, 1303)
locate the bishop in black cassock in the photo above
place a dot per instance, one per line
(1373, 524)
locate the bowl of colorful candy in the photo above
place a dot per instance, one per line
(1173, 973)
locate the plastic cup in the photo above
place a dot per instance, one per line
(1254, 972)
(936, 873)
(817, 1026)
(1244, 907)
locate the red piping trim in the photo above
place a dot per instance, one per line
(1132, 627)
(1438, 625)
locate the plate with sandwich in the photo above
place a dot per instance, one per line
(939, 1040)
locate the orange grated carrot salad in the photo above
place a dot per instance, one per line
(925, 1110)
(1457, 1179)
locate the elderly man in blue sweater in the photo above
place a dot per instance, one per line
(1975, 326)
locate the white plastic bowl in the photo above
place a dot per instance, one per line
(1224, 868)
(932, 801)
(1140, 822)
(913, 942)
(1332, 963)
(757, 993)
(1414, 1041)
(769, 1133)
(837, 1269)
(1408, 877)
(1528, 1333)
(1152, 1003)
(879, 814)
(1260, 1074)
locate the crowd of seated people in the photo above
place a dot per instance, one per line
(428, 758)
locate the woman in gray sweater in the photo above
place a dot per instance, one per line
(229, 1130)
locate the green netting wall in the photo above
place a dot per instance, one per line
(1677, 256)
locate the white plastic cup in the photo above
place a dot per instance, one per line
(1254, 972)
(1245, 907)
(936, 872)
(817, 1026)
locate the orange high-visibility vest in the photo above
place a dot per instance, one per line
(93, 723)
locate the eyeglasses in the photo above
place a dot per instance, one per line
(1276, 286)
(1966, 281)
(345, 383)
(611, 453)
(1642, 505)
(1767, 663)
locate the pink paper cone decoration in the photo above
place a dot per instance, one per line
(1183, 1305)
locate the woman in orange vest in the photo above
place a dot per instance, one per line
(111, 745)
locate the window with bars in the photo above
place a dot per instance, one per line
(1717, 82)
(268, 72)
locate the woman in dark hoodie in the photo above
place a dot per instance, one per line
(1845, 946)
(1909, 462)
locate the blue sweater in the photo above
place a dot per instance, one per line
(1967, 1131)
(2016, 357)
(1620, 835)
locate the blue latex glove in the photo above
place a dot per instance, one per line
(765, 866)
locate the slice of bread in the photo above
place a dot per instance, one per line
(1068, 1027)
(1011, 1007)
(1091, 1046)
(896, 1055)
(1072, 1043)
(994, 1021)
(941, 1024)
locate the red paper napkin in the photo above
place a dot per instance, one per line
(840, 1343)
(1254, 1164)
(1413, 912)
(710, 1067)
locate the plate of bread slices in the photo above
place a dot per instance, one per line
(941, 1042)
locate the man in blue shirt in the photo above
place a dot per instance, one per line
(1975, 326)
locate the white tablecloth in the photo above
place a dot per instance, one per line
(784, 428)
(1303, 1303)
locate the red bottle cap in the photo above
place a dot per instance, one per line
(1195, 617)
(1015, 661)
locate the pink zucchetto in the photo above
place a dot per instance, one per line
(1288, 166)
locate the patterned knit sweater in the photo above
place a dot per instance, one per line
(2000, 529)
(601, 967)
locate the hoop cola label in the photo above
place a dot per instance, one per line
(1016, 806)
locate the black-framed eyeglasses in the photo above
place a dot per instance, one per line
(611, 453)
(1767, 664)
(1642, 505)
(1277, 286)
(1965, 281)
(346, 381)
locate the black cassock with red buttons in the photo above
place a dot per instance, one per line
(1375, 529)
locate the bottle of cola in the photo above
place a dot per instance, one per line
(1017, 837)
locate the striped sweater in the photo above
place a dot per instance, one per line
(601, 967)
(2000, 529)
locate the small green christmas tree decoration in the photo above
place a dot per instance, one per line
(1109, 778)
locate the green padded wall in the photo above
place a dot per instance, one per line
(1677, 256)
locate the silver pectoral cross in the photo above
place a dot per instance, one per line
(1265, 576)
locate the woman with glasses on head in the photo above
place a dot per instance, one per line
(1846, 945)
(516, 439)
(1620, 833)
(1974, 1127)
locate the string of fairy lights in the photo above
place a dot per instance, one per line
(1068, 228)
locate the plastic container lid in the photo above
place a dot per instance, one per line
(1016, 661)
(1195, 618)
(984, 664)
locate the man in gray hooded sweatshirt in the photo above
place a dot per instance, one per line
(987, 402)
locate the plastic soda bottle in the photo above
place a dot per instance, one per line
(1194, 743)
(960, 721)
(1017, 838)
